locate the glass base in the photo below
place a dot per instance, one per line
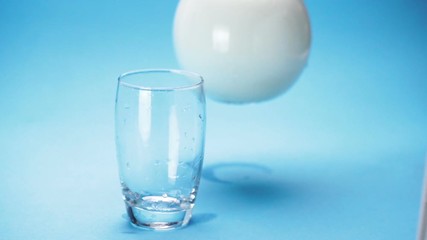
(158, 220)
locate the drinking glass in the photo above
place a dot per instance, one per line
(160, 134)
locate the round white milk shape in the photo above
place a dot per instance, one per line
(246, 50)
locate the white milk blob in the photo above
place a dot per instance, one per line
(246, 50)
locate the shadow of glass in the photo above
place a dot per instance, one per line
(234, 173)
(250, 181)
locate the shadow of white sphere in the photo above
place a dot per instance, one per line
(246, 50)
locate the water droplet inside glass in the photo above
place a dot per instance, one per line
(186, 108)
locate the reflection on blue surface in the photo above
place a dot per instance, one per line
(199, 218)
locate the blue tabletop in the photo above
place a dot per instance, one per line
(339, 156)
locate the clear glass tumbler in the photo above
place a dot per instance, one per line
(160, 134)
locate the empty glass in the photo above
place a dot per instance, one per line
(160, 132)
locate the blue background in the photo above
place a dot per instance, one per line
(339, 156)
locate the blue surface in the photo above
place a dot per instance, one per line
(339, 156)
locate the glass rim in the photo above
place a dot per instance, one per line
(199, 79)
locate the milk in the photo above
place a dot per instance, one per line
(246, 50)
